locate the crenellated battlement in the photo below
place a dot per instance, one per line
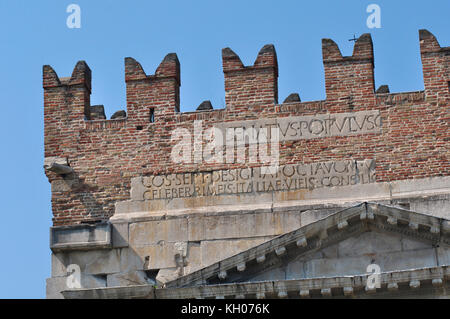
(347, 78)
(350, 77)
(105, 154)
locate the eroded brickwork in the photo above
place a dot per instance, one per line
(106, 154)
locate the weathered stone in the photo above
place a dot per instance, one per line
(443, 255)
(96, 262)
(166, 275)
(270, 275)
(293, 97)
(204, 106)
(382, 89)
(317, 126)
(152, 232)
(50, 160)
(54, 286)
(98, 112)
(119, 115)
(335, 267)
(412, 259)
(412, 244)
(369, 243)
(80, 237)
(213, 251)
(58, 265)
(220, 184)
(161, 255)
(93, 281)
(128, 279)
(60, 169)
(437, 206)
(57, 284)
(194, 258)
(242, 226)
(119, 233)
(130, 260)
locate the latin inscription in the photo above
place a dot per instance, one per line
(255, 180)
(314, 126)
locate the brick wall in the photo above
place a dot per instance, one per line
(106, 154)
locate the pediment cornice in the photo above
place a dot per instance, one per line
(322, 233)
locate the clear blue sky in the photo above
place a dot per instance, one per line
(34, 33)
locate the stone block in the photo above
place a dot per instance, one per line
(131, 278)
(166, 275)
(55, 285)
(403, 260)
(417, 187)
(242, 225)
(130, 260)
(158, 256)
(311, 216)
(330, 267)
(443, 254)
(270, 275)
(152, 232)
(369, 243)
(216, 250)
(119, 233)
(77, 237)
(411, 244)
(58, 265)
(93, 281)
(95, 262)
(438, 207)
(325, 252)
(193, 258)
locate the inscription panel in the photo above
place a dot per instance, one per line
(254, 180)
(314, 126)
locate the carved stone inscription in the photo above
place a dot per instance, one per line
(314, 126)
(254, 180)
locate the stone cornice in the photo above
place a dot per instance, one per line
(433, 278)
(332, 229)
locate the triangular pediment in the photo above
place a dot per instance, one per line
(342, 244)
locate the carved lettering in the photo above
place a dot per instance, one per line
(308, 127)
(254, 180)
